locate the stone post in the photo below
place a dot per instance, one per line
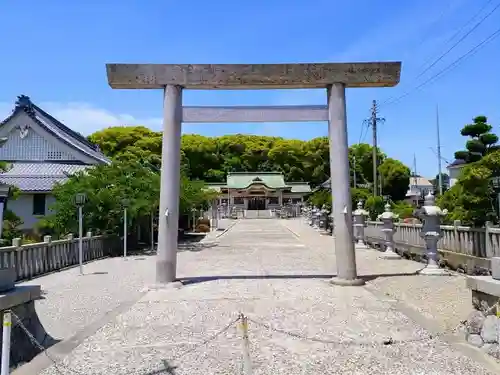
(359, 218)
(388, 218)
(47, 239)
(341, 191)
(431, 216)
(168, 225)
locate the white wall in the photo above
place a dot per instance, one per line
(23, 207)
(454, 173)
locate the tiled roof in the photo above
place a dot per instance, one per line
(299, 187)
(241, 180)
(38, 176)
(457, 163)
(57, 128)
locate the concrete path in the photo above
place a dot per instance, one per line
(299, 323)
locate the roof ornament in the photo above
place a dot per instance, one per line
(257, 179)
(23, 131)
(24, 102)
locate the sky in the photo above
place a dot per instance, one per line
(55, 52)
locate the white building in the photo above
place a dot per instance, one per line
(40, 151)
(418, 188)
(454, 170)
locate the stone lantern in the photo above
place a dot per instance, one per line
(388, 218)
(317, 218)
(431, 216)
(359, 218)
(323, 218)
(331, 223)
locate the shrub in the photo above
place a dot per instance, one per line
(203, 228)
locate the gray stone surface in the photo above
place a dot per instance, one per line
(7, 278)
(495, 267)
(489, 331)
(299, 323)
(475, 322)
(484, 284)
(253, 76)
(475, 340)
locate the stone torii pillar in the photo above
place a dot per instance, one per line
(334, 77)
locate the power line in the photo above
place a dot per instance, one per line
(365, 125)
(454, 64)
(451, 38)
(463, 37)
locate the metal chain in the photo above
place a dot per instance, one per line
(57, 365)
(207, 340)
(388, 341)
(194, 348)
(42, 349)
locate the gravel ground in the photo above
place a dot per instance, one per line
(72, 302)
(299, 323)
(447, 300)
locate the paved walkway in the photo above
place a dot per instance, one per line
(299, 323)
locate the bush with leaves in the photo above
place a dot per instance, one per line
(11, 224)
(472, 199)
(108, 189)
(375, 206)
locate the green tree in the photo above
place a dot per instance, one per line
(363, 163)
(472, 199)
(481, 140)
(395, 178)
(375, 206)
(108, 188)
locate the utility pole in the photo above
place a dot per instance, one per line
(374, 121)
(440, 175)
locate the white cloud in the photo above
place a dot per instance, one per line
(86, 118)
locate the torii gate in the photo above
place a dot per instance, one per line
(335, 77)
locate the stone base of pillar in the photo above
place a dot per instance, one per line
(390, 255)
(361, 246)
(434, 270)
(347, 282)
(173, 285)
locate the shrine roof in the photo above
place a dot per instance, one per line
(56, 128)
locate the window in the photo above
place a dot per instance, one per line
(238, 200)
(274, 200)
(38, 204)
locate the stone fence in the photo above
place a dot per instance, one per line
(36, 259)
(462, 248)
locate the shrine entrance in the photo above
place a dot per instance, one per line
(257, 203)
(333, 78)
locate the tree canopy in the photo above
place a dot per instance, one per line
(211, 158)
(481, 140)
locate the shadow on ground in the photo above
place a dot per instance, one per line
(187, 242)
(202, 279)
